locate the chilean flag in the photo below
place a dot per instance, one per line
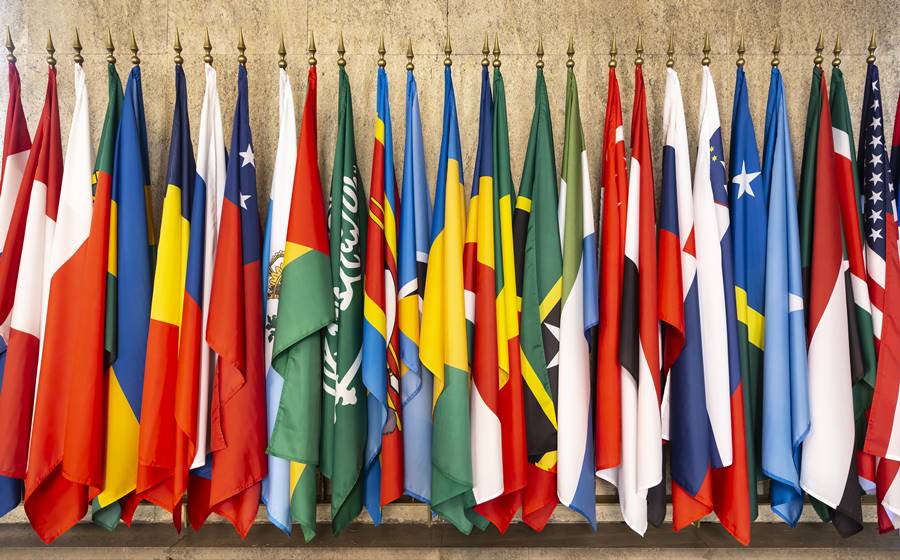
(234, 332)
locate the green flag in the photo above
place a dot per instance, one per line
(343, 401)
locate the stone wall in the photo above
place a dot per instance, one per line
(519, 23)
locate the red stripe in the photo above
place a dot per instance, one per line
(671, 297)
(884, 478)
(687, 509)
(731, 485)
(15, 137)
(16, 402)
(187, 388)
(540, 498)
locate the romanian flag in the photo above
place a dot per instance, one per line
(159, 430)
(53, 502)
(128, 294)
(381, 338)
(305, 309)
(234, 332)
(16, 146)
(538, 261)
(444, 349)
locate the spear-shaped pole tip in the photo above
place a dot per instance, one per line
(51, 60)
(776, 49)
(448, 50)
(485, 51)
(836, 61)
(409, 55)
(134, 50)
(613, 52)
(76, 46)
(670, 52)
(872, 46)
(639, 50)
(177, 48)
(820, 46)
(242, 58)
(540, 53)
(110, 48)
(207, 48)
(570, 52)
(706, 49)
(282, 53)
(10, 47)
(311, 48)
(341, 50)
(496, 62)
(742, 48)
(381, 52)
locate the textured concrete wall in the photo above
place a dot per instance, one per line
(519, 23)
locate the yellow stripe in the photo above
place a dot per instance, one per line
(121, 446)
(548, 461)
(753, 319)
(171, 263)
(472, 224)
(113, 258)
(551, 299)
(390, 230)
(379, 130)
(374, 315)
(296, 472)
(485, 252)
(537, 389)
(293, 251)
(523, 203)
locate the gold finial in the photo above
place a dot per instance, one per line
(776, 48)
(872, 46)
(177, 48)
(486, 51)
(837, 52)
(311, 49)
(706, 50)
(282, 53)
(242, 58)
(110, 48)
(613, 51)
(742, 48)
(341, 50)
(10, 47)
(76, 46)
(448, 50)
(820, 46)
(639, 50)
(207, 47)
(571, 53)
(51, 60)
(381, 52)
(670, 53)
(134, 50)
(496, 50)
(540, 53)
(409, 55)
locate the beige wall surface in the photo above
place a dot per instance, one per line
(519, 24)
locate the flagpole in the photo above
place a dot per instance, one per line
(872, 46)
(540, 54)
(670, 52)
(10, 47)
(207, 47)
(76, 46)
(312, 49)
(570, 63)
(496, 62)
(485, 50)
(776, 48)
(820, 46)
(134, 50)
(177, 48)
(409, 56)
(639, 50)
(241, 47)
(282, 53)
(381, 52)
(448, 50)
(341, 51)
(51, 60)
(110, 48)
(741, 50)
(705, 61)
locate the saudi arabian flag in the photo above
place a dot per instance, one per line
(343, 400)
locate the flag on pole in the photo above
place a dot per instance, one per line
(234, 332)
(640, 469)
(444, 348)
(785, 404)
(380, 344)
(862, 337)
(85, 430)
(344, 408)
(16, 147)
(158, 434)
(579, 315)
(128, 296)
(21, 264)
(883, 267)
(749, 199)
(501, 510)
(276, 492)
(479, 261)
(828, 469)
(614, 187)
(538, 271)
(53, 503)
(414, 239)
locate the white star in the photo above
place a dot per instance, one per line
(875, 197)
(875, 216)
(244, 198)
(876, 141)
(875, 85)
(875, 235)
(875, 179)
(744, 181)
(247, 157)
(876, 159)
(876, 105)
(876, 122)
(554, 330)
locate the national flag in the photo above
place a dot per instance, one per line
(883, 267)
(21, 275)
(718, 326)
(579, 315)
(479, 261)
(128, 296)
(381, 339)
(828, 469)
(159, 427)
(538, 272)
(343, 407)
(614, 189)
(443, 348)
(52, 502)
(501, 510)
(308, 308)
(414, 239)
(785, 404)
(861, 324)
(16, 146)
(276, 487)
(234, 332)
(749, 199)
(85, 431)
(640, 469)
